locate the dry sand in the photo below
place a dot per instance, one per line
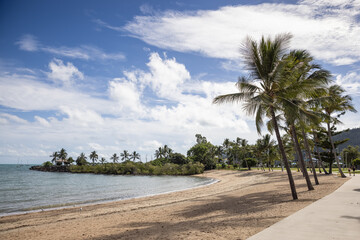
(238, 206)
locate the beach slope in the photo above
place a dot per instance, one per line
(240, 205)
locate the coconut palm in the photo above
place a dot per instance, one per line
(134, 156)
(70, 160)
(114, 158)
(314, 129)
(336, 103)
(93, 157)
(302, 82)
(62, 155)
(125, 155)
(158, 153)
(81, 160)
(260, 91)
(102, 160)
(54, 156)
(167, 151)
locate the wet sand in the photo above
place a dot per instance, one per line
(237, 207)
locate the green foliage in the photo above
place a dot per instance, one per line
(178, 158)
(251, 162)
(139, 168)
(160, 161)
(350, 153)
(47, 164)
(203, 152)
(356, 162)
(81, 160)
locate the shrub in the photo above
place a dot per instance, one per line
(356, 162)
(251, 162)
(160, 161)
(178, 158)
(47, 164)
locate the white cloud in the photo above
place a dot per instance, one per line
(42, 121)
(64, 74)
(12, 118)
(28, 43)
(85, 52)
(126, 119)
(137, 114)
(127, 96)
(329, 30)
(166, 76)
(34, 95)
(350, 82)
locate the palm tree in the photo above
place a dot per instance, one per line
(102, 160)
(125, 155)
(167, 151)
(93, 156)
(70, 160)
(114, 158)
(55, 156)
(62, 155)
(134, 156)
(263, 60)
(302, 82)
(158, 153)
(81, 160)
(268, 148)
(336, 102)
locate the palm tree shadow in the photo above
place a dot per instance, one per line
(223, 211)
(351, 217)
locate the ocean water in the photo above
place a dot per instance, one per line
(23, 190)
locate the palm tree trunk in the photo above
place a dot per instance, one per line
(309, 155)
(299, 163)
(318, 153)
(307, 178)
(334, 151)
(285, 160)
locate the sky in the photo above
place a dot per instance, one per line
(134, 75)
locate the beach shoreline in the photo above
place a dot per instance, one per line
(80, 205)
(239, 205)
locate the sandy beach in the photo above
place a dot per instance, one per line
(237, 207)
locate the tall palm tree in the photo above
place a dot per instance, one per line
(114, 158)
(167, 151)
(134, 156)
(81, 160)
(302, 82)
(93, 156)
(54, 156)
(102, 160)
(263, 60)
(62, 155)
(335, 103)
(125, 155)
(158, 153)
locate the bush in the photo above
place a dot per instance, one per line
(178, 158)
(160, 161)
(251, 162)
(139, 168)
(356, 162)
(47, 164)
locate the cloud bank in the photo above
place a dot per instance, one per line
(329, 29)
(143, 109)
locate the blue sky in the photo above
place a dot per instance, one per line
(135, 75)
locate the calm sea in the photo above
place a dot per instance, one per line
(24, 190)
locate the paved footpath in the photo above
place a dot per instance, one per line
(336, 216)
